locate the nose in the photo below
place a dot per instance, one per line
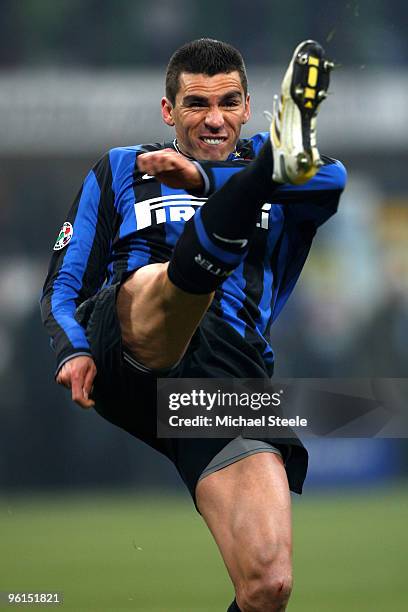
(214, 118)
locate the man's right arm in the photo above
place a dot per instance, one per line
(77, 270)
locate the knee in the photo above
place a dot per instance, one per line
(266, 589)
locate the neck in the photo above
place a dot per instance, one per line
(177, 147)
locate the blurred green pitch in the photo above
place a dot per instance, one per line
(154, 554)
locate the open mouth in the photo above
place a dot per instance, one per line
(213, 141)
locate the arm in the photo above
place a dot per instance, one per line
(172, 169)
(78, 375)
(77, 270)
(315, 201)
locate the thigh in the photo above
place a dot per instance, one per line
(247, 508)
(157, 319)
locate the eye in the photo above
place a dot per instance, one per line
(196, 104)
(233, 102)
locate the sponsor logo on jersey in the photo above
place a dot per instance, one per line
(65, 235)
(148, 177)
(166, 208)
(178, 208)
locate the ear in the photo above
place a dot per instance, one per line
(247, 113)
(167, 111)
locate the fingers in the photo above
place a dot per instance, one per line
(78, 394)
(78, 375)
(88, 384)
(63, 378)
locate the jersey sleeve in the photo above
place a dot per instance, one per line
(216, 174)
(315, 201)
(318, 199)
(77, 270)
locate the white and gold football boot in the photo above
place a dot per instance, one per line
(293, 126)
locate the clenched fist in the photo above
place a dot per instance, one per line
(171, 168)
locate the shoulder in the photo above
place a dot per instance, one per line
(334, 170)
(248, 148)
(332, 175)
(122, 156)
(121, 161)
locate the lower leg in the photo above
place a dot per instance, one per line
(253, 182)
(216, 239)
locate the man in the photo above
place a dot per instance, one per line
(169, 266)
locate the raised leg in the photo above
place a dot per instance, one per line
(161, 305)
(158, 319)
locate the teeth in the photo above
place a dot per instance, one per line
(213, 141)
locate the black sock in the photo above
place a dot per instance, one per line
(234, 607)
(215, 240)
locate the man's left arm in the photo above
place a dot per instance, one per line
(314, 201)
(318, 199)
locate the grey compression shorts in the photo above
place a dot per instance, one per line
(234, 451)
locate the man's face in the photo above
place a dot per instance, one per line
(208, 114)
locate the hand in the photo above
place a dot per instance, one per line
(171, 168)
(78, 375)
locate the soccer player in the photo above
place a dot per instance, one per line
(175, 260)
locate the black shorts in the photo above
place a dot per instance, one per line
(127, 397)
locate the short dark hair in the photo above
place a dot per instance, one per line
(203, 56)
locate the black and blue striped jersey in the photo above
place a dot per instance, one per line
(123, 219)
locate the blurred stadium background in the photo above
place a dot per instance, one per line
(84, 508)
